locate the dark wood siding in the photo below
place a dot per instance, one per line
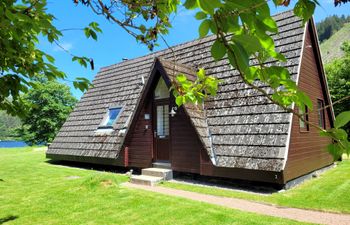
(85, 159)
(140, 143)
(307, 149)
(185, 145)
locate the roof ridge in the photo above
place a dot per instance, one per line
(161, 59)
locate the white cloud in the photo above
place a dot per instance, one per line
(63, 46)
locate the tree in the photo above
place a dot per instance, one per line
(7, 126)
(21, 62)
(338, 74)
(49, 104)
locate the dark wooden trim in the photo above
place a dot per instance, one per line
(317, 52)
(322, 112)
(126, 156)
(86, 159)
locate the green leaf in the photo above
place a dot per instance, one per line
(201, 74)
(50, 58)
(305, 99)
(93, 35)
(340, 134)
(179, 100)
(87, 32)
(204, 28)
(231, 59)
(304, 9)
(270, 23)
(209, 6)
(190, 4)
(335, 150)
(242, 58)
(342, 119)
(218, 50)
(181, 78)
(95, 26)
(250, 43)
(200, 15)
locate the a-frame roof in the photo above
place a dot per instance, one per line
(196, 113)
(239, 127)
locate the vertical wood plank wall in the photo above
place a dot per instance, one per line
(185, 145)
(307, 150)
(141, 141)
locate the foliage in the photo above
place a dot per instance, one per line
(338, 74)
(21, 61)
(8, 124)
(49, 103)
(339, 2)
(327, 27)
(328, 192)
(188, 91)
(36, 192)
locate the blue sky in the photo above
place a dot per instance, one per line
(114, 43)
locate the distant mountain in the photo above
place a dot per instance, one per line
(330, 48)
(330, 25)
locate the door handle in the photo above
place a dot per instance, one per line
(155, 134)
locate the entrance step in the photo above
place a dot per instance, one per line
(165, 174)
(145, 180)
(163, 165)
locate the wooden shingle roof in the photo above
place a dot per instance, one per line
(238, 127)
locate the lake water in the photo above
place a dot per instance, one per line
(12, 144)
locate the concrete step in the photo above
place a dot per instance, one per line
(165, 174)
(163, 165)
(145, 180)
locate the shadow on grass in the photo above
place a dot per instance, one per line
(7, 219)
(227, 183)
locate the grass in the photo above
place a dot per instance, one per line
(329, 192)
(33, 191)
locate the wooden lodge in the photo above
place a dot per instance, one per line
(129, 118)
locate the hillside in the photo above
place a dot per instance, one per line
(330, 48)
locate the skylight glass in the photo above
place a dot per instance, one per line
(111, 117)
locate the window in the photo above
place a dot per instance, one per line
(303, 125)
(111, 117)
(320, 112)
(162, 120)
(162, 90)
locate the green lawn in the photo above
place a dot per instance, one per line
(33, 191)
(329, 192)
